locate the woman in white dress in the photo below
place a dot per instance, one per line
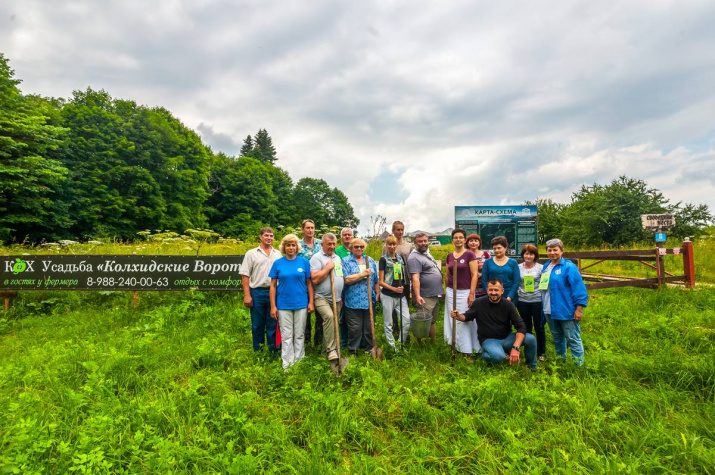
(467, 272)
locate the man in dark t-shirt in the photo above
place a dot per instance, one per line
(495, 317)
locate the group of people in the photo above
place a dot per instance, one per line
(486, 295)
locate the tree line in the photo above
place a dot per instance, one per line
(610, 215)
(94, 166)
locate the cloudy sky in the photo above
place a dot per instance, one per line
(410, 107)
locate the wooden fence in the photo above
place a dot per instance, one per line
(650, 258)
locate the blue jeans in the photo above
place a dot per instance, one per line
(496, 351)
(567, 332)
(262, 325)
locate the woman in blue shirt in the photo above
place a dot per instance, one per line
(502, 268)
(563, 297)
(360, 274)
(291, 296)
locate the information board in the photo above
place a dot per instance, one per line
(120, 272)
(517, 223)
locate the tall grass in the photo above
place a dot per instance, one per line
(90, 385)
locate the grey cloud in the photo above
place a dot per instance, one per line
(218, 141)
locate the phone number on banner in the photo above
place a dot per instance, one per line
(127, 282)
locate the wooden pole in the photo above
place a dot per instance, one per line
(376, 352)
(336, 324)
(659, 264)
(688, 263)
(454, 307)
(7, 296)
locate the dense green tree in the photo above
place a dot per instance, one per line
(247, 147)
(314, 199)
(108, 195)
(264, 149)
(30, 177)
(179, 163)
(690, 220)
(610, 214)
(132, 168)
(247, 194)
(549, 218)
(98, 166)
(282, 186)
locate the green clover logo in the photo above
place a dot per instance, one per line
(19, 266)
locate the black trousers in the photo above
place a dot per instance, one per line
(530, 312)
(359, 330)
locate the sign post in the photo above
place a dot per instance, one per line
(658, 224)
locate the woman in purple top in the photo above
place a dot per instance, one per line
(467, 271)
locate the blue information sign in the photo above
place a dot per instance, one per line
(661, 237)
(516, 223)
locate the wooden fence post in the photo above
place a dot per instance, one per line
(8, 295)
(688, 263)
(659, 264)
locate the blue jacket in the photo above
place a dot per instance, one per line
(566, 290)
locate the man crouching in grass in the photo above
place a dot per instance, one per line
(494, 317)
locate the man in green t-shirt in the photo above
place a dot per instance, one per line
(346, 235)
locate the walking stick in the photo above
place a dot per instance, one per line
(376, 352)
(402, 323)
(454, 307)
(342, 362)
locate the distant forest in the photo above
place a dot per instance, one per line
(96, 167)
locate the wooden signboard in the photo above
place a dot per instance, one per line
(658, 223)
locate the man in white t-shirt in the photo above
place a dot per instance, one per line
(256, 284)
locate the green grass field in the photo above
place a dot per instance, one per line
(90, 385)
